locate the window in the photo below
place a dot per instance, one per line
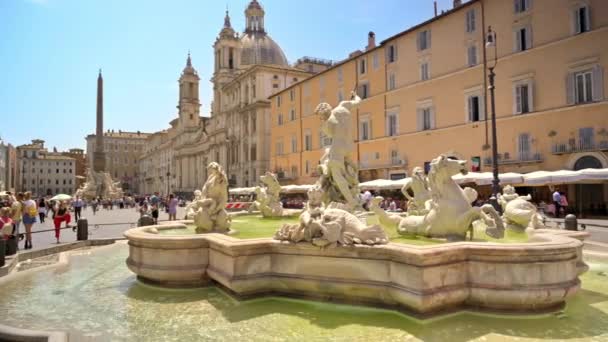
(364, 91)
(307, 166)
(294, 171)
(391, 81)
(280, 119)
(585, 136)
(470, 21)
(306, 89)
(308, 141)
(340, 96)
(523, 39)
(524, 146)
(472, 55)
(521, 6)
(292, 95)
(523, 97)
(294, 144)
(362, 67)
(424, 40)
(279, 147)
(292, 115)
(474, 108)
(426, 118)
(581, 20)
(395, 160)
(57, 170)
(391, 53)
(424, 71)
(278, 101)
(375, 61)
(583, 86)
(340, 75)
(392, 125)
(365, 129)
(321, 83)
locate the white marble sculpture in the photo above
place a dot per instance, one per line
(339, 173)
(419, 203)
(451, 214)
(99, 185)
(389, 221)
(328, 226)
(190, 207)
(268, 200)
(518, 212)
(209, 210)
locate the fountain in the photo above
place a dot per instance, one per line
(332, 252)
(229, 267)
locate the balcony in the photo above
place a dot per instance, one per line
(394, 163)
(524, 158)
(587, 144)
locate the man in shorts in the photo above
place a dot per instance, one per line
(154, 203)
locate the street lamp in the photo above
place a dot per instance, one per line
(491, 42)
(168, 181)
(228, 147)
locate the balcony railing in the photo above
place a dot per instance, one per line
(579, 145)
(394, 163)
(523, 158)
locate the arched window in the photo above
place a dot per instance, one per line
(587, 162)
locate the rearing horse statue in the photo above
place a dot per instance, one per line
(451, 214)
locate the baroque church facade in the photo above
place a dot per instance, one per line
(249, 67)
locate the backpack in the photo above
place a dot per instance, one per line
(32, 210)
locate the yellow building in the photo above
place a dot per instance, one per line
(425, 94)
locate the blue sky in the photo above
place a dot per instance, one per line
(51, 50)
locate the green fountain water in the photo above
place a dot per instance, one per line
(95, 297)
(256, 226)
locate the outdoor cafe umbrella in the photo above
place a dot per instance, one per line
(61, 197)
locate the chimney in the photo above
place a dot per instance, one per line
(457, 3)
(371, 40)
(435, 6)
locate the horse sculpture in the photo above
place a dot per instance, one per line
(451, 214)
(268, 200)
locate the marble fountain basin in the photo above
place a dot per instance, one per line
(535, 276)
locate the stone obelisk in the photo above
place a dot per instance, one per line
(99, 156)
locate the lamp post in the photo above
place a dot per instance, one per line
(168, 183)
(228, 147)
(491, 42)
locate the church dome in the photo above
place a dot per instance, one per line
(259, 48)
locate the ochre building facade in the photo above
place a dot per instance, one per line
(425, 93)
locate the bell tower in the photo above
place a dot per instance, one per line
(227, 60)
(189, 104)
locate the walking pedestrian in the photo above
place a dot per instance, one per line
(77, 205)
(557, 199)
(563, 202)
(172, 207)
(30, 211)
(94, 205)
(62, 214)
(17, 214)
(42, 210)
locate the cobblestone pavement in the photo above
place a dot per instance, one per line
(104, 224)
